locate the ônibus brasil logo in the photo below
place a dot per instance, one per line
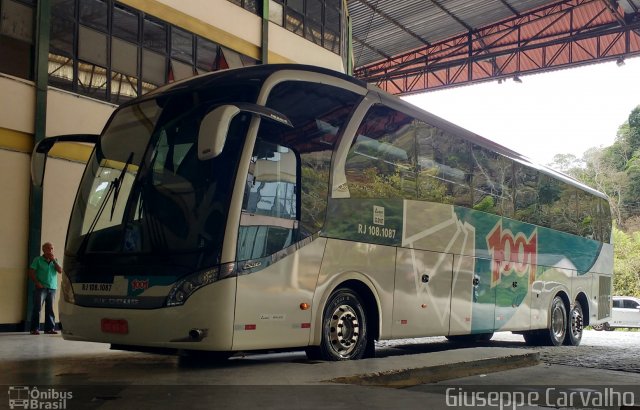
(25, 397)
(512, 253)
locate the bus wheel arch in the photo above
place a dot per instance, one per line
(350, 303)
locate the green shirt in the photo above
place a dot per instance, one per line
(45, 272)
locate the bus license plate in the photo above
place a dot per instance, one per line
(117, 326)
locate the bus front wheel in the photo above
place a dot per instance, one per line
(344, 327)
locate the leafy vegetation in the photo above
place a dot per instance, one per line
(615, 170)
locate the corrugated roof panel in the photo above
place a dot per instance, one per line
(526, 5)
(418, 16)
(478, 13)
(398, 26)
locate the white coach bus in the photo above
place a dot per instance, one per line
(287, 206)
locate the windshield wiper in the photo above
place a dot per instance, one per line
(114, 187)
(117, 183)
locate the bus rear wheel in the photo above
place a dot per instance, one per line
(344, 327)
(557, 331)
(575, 325)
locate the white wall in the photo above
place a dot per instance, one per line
(66, 114)
(17, 104)
(69, 113)
(14, 223)
(300, 50)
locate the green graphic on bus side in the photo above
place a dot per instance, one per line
(553, 247)
(509, 256)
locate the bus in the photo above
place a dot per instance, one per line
(293, 207)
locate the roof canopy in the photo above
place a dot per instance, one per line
(408, 46)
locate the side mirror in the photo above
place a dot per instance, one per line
(214, 127)
(41, 152)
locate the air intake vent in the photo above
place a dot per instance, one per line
(604, 297)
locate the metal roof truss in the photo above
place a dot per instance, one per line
(564, 34)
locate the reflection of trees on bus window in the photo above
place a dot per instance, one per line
(557, 204)
(397, 156)
(381, 161)
(585, 218)
(492, 182)
(444, 166)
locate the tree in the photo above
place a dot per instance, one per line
(634, 129)
(626, 266)
(613, 170)
(604, 176)
(565, 162)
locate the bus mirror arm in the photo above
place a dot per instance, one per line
(42, 148)
(214, 127)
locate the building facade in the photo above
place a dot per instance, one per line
(65, 65)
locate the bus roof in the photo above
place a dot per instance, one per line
(262, 72)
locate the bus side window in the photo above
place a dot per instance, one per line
(443, 167)
(269, 211)
(382, 160)
(492, 182)
(526, 194)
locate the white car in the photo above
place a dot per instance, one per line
(625, 313)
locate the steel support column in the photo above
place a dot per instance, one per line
(41, 74)
(264, 46)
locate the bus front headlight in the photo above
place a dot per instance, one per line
(189, 284)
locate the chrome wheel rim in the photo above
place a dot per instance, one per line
(576, 323)
(557, 322)
(344, 330)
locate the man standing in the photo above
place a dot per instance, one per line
(43, 272)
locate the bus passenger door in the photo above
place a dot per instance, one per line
(422, 294)
(277, 276)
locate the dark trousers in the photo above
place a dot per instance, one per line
(46, 296)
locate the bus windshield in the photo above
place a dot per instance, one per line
(145, 191)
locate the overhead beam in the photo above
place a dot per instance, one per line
(548, 38)
(614, 8)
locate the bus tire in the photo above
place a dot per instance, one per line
(575, 326)
(344, 327)
(557, 331)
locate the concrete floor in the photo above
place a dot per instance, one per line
(78, 375)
